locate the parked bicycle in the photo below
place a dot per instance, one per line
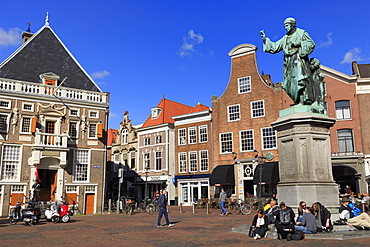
(242, 208)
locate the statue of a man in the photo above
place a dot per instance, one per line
(299, 82)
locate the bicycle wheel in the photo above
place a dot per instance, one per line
(237, 209)
(246, 209)
(125, 209)
(150, 208)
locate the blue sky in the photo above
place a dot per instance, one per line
(141, 50)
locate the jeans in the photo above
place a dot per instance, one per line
(223, 210)
(303, 229)
(163, 211)
(300, 218)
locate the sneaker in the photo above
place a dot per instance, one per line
(226, 213)
(221, 214)
(160, 226)
(289, 237)
(258, 236)
(169, 225)
(255, 237)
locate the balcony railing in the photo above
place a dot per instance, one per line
(51, 140)
(48, 90)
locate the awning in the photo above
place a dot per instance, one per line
(223, 175)
(270, 173)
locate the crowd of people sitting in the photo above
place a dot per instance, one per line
(310, 220)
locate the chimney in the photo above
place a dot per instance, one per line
(25, 36)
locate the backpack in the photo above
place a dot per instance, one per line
(285, 216)
(298, 235)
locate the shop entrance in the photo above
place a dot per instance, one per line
(48, 185)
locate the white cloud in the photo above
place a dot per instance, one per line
(328, 42)
(100, 74)
(352, 55)
(10, 37)
(192, 39)
(112, 115)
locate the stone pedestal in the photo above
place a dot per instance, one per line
(305, 160)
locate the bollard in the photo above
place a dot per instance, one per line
(117, 207)
(193, 207)
(207, 205)
(181, 208)
(109, 206)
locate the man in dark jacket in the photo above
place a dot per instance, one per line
(162, 204)
(284, 222)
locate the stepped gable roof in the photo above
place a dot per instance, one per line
(364, 70)
(199, 107)
(168, 109)
(44, 52)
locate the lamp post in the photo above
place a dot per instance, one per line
(261, 162)
(146, 185)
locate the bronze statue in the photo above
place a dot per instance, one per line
(302, 76)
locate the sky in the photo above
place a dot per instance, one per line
(140, 51)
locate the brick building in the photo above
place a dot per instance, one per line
(242, 132)
(53, 125)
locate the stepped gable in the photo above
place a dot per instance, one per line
(169, 109)
(44, 52)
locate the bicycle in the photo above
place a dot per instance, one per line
(243, 208)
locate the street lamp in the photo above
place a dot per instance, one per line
(146, 184)
(261, 162)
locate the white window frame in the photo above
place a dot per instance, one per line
(146, 141)
(182, 162)
(182, 137)
(77, 129)
(146, 160)
(255, 109)
(249, 132)
(158, 139)
(203, 133)
(247, 85)
(204, 160)
(81, 165)
(17, 164)
(223, 135)
(24, 104)
(233, 113)
(93, 112)
(193, 161)
(265, 141)
(90, 131)
(74, 115)
(341, 112)
(343, 139)
(7, 123)
(158, 160)
(124, 135)
(9, 102)
(192, 134)
(22, 125)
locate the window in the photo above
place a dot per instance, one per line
(73, 113)
(92, 130)
(124, 136)
(226, 142)
(343, 109)
(71, 188)
(5, 104)
(193, 166)
(146, 141)
(182, 162)
(246, 141)
(155, 112)
(345, 141)
(26, 125)
(244, 84)
(146, 160)
(268, 138)
(124, 158)
(81, 166)
(158, 139)
(257, 109)
(233, 112)
(27, 107)
(182, 136)
(203, 160)
(73, 130)
(192, 135)
(3, 123)
(203, 133)
(133, 160)
(158, 160)
(116, 158)
(11, 160)
(93, 114)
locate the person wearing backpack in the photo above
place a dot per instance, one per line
(284, 222)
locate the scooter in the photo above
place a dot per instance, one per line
(52, 213)
(64, 213)
(29, 215)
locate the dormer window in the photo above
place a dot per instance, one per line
(155, 112)
(49, 79)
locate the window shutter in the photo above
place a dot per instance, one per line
(33, 124)
(100, 130)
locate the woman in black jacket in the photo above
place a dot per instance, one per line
(322, 216)
(260, 223)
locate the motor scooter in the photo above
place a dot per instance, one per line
(64, 213)
(52, 214)
(29, 215)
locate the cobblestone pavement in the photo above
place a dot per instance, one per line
(190, 229)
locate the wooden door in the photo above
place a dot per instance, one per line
(16, 197)
(53, 186)
(89, 203)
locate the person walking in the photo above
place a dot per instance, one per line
(162, 204)
(223, 197)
